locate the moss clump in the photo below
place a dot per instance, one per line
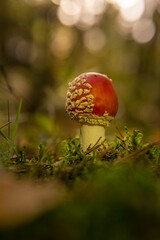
(67, 161)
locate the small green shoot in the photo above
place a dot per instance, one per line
(15, 126)
(9, 126)
(1, 133)
(8, 145)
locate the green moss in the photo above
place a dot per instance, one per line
(66, 160)
(111, 196)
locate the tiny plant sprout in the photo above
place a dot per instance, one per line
(92, 101)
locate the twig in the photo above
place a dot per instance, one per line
(139, 151)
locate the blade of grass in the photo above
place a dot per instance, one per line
(15, 126)
(9, 126)
(12, 139)
(2, 135)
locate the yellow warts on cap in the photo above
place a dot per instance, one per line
(91, 119)
(80, 103)
(79, 100)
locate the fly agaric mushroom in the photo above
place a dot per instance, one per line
(92, 101)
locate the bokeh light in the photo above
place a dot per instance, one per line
(94, 6)
(133, 12)
(62, 42)
(82, 13)
(143, 30)
(125, 4)
(69, 12)
(94, 39)
(130, 10)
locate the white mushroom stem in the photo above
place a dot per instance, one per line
(90, 135)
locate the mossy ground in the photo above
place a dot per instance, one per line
(115, 195)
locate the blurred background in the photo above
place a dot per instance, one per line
(44, 44)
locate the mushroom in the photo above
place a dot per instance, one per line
(92, 101)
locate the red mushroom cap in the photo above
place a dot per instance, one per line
(91, 99)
